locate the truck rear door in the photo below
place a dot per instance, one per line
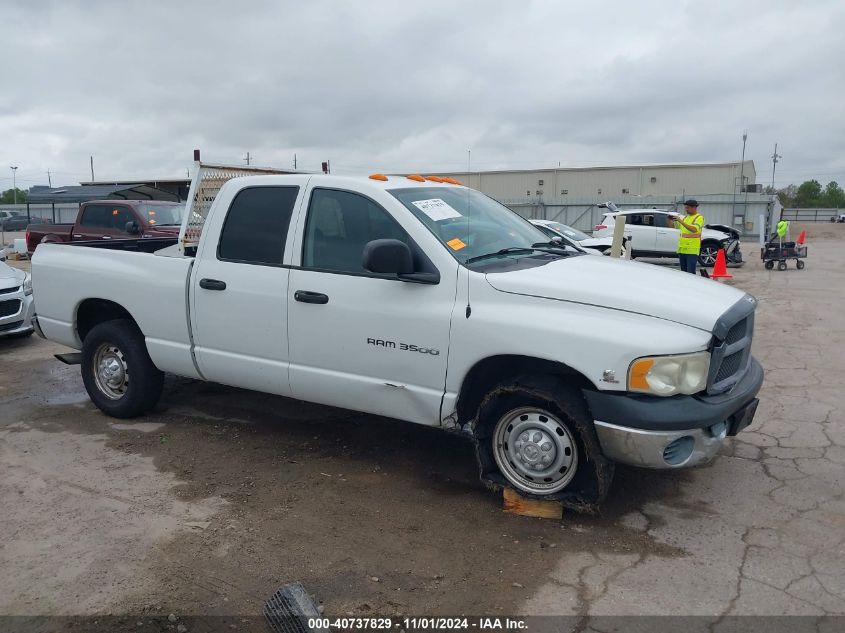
(359, 340)
(239, 309)
(102, 221)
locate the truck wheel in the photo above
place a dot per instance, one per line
(536, 435)
(117, 371)
(707, 255)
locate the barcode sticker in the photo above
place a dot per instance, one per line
(436, 209)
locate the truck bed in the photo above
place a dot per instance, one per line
(121, 272)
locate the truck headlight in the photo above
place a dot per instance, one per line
(670, 375)
(27, 284)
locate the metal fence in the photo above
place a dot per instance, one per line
(812, 215)
(36, 213)
(742, 213)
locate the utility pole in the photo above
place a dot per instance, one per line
(92, 169)
(771, 219)
(247, 158)
(742, 178)
(775, 158)
(49, 180)
(14, 169)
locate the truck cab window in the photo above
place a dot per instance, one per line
(118, 217)
(256, 225)
(339, 225)
(96, 215)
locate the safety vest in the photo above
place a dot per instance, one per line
(783, 227)
(690, 243)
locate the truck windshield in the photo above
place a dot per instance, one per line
(162, 214)
(469, 223)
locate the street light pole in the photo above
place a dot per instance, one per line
(14, 169)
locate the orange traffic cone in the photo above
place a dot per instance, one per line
(720, 268)
(802, 237)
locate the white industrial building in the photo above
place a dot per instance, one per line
(727, 192)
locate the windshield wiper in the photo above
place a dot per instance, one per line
(519, 249)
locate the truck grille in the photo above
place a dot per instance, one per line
(4, 291)
(731, 352)
(8, 308)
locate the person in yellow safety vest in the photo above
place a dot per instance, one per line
(689, 242)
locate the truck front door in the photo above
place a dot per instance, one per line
(361, 340)
(239, 310)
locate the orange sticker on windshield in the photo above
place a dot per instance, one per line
(456, 244)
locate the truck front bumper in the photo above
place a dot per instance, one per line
(675, 432)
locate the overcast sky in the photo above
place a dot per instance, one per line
(410, 86)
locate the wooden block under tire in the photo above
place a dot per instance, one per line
(514, 503)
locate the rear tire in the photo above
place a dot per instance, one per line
(117, 371)
(536, 435)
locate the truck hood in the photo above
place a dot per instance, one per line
(624, 285)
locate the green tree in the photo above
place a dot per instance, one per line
(8, 196)
(787, 196)
(809, 194)
(833, 196)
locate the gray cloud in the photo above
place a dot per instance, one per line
(397, 86)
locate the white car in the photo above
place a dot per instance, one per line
(16, 309)
(594, 244)
(650, 235)
(419, 300)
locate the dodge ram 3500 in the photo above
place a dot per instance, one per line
(421, 300)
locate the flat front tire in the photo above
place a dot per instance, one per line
(117, 371)
(536, 435)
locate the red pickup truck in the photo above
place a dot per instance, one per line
(112, 220)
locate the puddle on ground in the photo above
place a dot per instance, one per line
(76, 397)
(144, 427)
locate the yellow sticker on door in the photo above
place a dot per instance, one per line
(456, 244)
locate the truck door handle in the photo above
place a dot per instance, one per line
(212, 284)
(306, 296)
(77, 235)
(106, 237)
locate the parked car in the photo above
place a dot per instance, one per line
(597, 244)
(650, 234)
(17, 221)
(16, 309)
(423, 301)
(112, 220)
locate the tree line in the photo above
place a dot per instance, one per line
(8, 196)
(811, 195)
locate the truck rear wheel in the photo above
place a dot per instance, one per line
(117, 371)
(536, 435)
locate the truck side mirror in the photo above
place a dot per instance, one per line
(388, 257)
(132, 227)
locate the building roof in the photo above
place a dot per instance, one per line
(121, 191)
(732, 163)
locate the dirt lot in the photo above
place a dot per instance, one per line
(222, 495)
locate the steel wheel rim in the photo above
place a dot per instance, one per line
(111, 372)
(535, 451)
(708, 255)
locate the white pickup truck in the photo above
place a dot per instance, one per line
(421, 300)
